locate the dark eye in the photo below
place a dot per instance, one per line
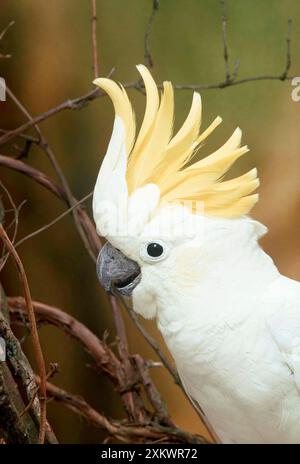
(152, 252)
(155, 250)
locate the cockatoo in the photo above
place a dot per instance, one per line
(180, 242)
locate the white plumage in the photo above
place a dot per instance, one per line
(229, 319)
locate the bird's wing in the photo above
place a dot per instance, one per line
(283, 301)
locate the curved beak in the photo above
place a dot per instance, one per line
(117, 272)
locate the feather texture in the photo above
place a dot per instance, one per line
(159, 158)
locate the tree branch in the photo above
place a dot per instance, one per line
(34, 333)
(147, 51)
(94, 39)
(122, 430)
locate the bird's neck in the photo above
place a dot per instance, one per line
(233, 277)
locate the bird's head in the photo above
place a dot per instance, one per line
(165, 216)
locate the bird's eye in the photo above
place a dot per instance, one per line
(154, 251)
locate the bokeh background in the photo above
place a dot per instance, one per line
(51, 61)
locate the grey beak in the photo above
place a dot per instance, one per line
(117, 272)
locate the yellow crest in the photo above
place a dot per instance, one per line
(157, 156)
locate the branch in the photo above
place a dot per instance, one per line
(35, 174)
(53, 222)
(147, 51)
(21, 373)
(94, 39)
(121, 430)
(59, 192)
(80, 102)
(52, 158)
(225, 46)
(126, 373)
(2, 34)
(172, 370)
(16, 221)
(34, 333)
(288, 63)
(103, 356)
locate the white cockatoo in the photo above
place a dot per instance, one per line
(181, 243)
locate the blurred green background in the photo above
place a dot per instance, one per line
(51, 61)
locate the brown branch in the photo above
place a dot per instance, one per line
(80, 102)
(288, 62)
(127, 375)
(34, 333)
(94, 39)
(153, 394)
(53, 370)
(148, 433)
(35, 174)
(16, 221)
(105, 359)
(225, 45)
(147, 51)
(103, 356)
(172, 370)
(59, 192)
(51, 223)
(23, 376)
(52, 158)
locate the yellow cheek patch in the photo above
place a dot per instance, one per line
(187, 261)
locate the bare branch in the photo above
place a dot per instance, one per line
(172, 370)
(147, 51)
(225, 45)
(34, 333)
(35, 174)
(150, 433)
(288, 62)
(94, 39)
(52, 158)
(58, 191)
(2, 34)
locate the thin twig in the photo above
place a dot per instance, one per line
(53, 160)
(153, 394)
(288, 62)
(148, 433)
(53, 370)
(172, 370)
(16, 221)
(34, 332)
(98, 350)
(126, 375)
(46, 226)
(58, 191)
(84, 100)
(2, 34)
(102, 354)
(225, 44)
(53, 222)
(147, 51)
(94, 39)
